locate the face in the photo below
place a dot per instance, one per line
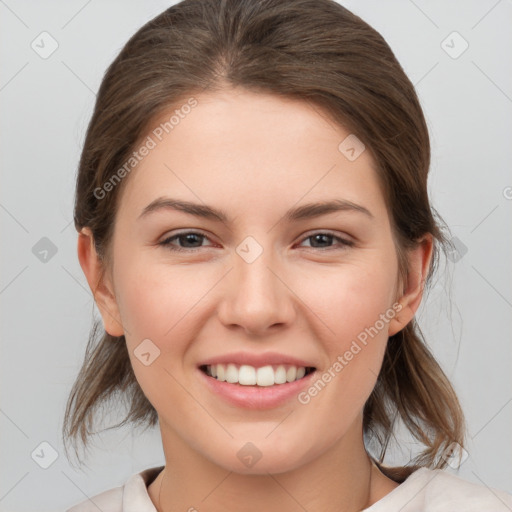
(259, 288)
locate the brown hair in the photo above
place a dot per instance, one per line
(313, 50)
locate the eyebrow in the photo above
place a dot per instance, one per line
(307, 211)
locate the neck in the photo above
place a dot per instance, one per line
(343, 479)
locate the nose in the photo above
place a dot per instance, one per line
(256, 297)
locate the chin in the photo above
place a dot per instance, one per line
(260, 457)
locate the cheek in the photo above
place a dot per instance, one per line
(154, 300)
(159, 301)
(355, 343)
(350, 300)
(158, 305)
(355, 305)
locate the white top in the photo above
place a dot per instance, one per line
(425, 490)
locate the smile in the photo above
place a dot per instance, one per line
(263, 376)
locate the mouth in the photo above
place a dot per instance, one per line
(262, 376)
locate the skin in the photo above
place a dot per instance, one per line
(255, 156)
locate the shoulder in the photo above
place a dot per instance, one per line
(437, 490)
(107, 501)
(448, 492)
(131, 497)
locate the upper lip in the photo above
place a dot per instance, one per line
(257, 360)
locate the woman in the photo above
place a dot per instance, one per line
(230, 141)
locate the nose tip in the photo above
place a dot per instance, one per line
(255, 297)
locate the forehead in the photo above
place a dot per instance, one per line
(250, 150)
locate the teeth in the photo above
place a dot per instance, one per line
(265, 376)
(247, 375)
(231, 374)
(280, 375)
(291, 374)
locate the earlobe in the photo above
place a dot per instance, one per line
(419, 260)
(101, 288)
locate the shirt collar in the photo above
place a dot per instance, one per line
(135, 495)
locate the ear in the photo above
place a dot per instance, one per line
(419, 260)
(99, 284)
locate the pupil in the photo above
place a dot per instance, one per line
(190, 238)
(320, 236)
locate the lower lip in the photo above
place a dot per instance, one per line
(257, 397)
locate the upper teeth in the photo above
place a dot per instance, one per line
(250, 376)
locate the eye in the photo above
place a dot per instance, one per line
(324, 239)
(191, 239)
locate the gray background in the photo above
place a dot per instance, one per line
(47, 307)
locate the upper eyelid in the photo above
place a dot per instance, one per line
(345, 238)
(186, 232)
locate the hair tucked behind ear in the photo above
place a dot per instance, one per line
(413, 387)
(313, 50)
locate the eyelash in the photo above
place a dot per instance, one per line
(167, 242)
